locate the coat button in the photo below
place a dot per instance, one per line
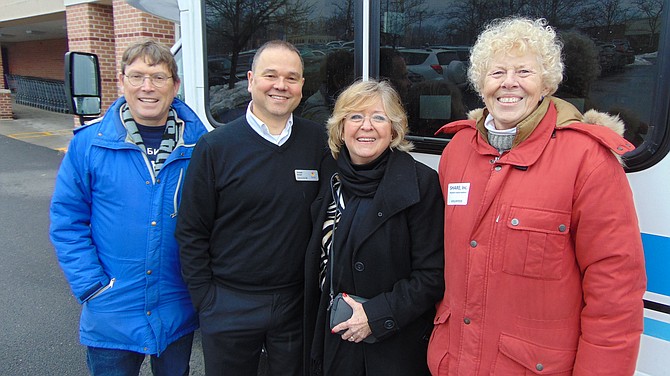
(562, 228)
(473, 243)
(515, 222)
(148, 313)
(389, 324)
(149, 272)
(359, 266)
(539, 367)
(466, 321)
(498, 168)
(380, 214)
(158, 181)
(153, 223)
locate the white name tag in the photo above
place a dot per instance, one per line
(306, 175)
(457, 193)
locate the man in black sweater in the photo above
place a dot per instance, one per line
(244, 222)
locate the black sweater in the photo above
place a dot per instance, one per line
(244, 219)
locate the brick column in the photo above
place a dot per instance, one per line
(6, 112)
(90, 28)
(131, 24)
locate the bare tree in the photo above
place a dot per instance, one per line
(652, 10)
(341, 22)
(562, 14)
(514, 7)
(405, 19)
(466, 18)
(235, 22)
(605, 14)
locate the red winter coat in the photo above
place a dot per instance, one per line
(544, 269)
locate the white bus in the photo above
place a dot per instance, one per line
(617, 60)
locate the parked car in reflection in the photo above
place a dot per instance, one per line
(218, 68)
(461, 53)
(435, 64)
(610, 59)
(624, 47)
(423, 62)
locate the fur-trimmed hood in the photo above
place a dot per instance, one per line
(569, 114)
(603, 127)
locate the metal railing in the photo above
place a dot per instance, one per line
(43, 93)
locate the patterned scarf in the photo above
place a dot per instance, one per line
(170, 137)
(332, 218)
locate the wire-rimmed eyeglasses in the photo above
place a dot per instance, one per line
(158, 79)
(358, 118)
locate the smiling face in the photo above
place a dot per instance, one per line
(148, 104)
(367, 133)
(275, 85)
(513, 88)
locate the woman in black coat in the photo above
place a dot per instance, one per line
(388, 215)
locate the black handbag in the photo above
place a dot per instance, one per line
(341, 311)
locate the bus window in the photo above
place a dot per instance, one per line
(610, 66)
(321, 30)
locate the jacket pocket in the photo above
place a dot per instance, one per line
(438, 345)
(101, 290)
(536, 243)
(520, 357)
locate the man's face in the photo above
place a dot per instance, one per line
(148, 103)
(275, 85)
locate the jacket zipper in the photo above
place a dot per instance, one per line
(176, 194)
(109, 286)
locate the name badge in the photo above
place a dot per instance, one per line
(306, 175)
(457, 193)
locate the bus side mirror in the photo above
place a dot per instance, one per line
(82, 84)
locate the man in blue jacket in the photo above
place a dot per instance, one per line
(113, 216)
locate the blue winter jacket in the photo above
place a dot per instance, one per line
(112, 224)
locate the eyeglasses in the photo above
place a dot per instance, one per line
(357, 118)
(158, 80)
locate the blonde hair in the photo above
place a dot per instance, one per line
(518, 36)
(359, 96)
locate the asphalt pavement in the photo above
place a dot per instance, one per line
(52, 130)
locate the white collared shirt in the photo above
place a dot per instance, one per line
(263, 130)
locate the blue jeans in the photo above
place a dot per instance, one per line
(174, 361)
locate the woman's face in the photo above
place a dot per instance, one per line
(367, 133)
(512, 88)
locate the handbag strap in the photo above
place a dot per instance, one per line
(336, 192)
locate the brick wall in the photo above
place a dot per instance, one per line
(107, 31)
(6, 105)
(90, 28)
(42, 58)
(6, 111)
(131, 24)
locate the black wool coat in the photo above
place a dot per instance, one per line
(398, 264)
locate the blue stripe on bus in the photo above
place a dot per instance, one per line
(657, 259)
(658, 329)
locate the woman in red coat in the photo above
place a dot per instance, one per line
(544, 269)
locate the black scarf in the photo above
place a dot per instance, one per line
(361, 180)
